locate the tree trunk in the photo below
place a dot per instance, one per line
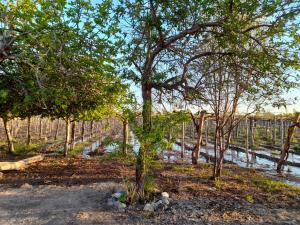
(196, 150)
(183, 140)
(82, 131)
(215, 151)
(146, 113)
(56, 130)
(251, 143)
(10, 143)
(247, 141)
(206, 132)
(28, 142)
(222, 153)
(73, 134)
(285, 151)
(281, 134)
(125, 136)
(41, 128)
(92, 128)
(67, 139)
(274, 134)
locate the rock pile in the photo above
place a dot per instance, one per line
(115, 200)
(159, 205)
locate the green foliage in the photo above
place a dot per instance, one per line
(273, 186)
(249, 198)
(218, 183)
(22, 149)
(149, 187)
(183, 168)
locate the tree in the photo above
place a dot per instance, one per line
(158, 33)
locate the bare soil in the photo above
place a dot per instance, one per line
(75, 191)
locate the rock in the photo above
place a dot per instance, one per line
(165, 194)
(26, 186)
(173, 211)
(110, 202)
(119, 205)
(165, 201)
(116, 195)
(149, 207)
(212, 189)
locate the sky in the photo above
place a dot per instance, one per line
(292, 94)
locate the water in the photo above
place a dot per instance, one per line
(291, 173)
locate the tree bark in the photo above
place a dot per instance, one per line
(199, 129)
(125, 136)
(285, 151)
(274, 133)
(10, 143)
(82, 130)
(183, 140)
(73, 134)
(146, 114)
(247, 141)
(92, 128)
(21, 164)
(28, 142)
(67, 138)
(56, 130)
(251, 144)
(41, 128)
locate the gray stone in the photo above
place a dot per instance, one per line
(110, 202)
(119, 205)
(116, 195)
(165, 201)
(149, 207)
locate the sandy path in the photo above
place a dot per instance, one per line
(50, 204)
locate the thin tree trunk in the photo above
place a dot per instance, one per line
(82, 130)
(183, 140)
(196, 150)
(247, 141)
(125, 136)
(281, 134)
(146, 113)
(67, 139)
(10, 143)
(251, 144)
(28, 142)
(215, 151)
(206, 133)
(41, 128)
(73, 134)
(56, 130)
(285, 152)
(92, 128)
(274, 133)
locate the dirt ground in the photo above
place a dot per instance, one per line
(75, 191)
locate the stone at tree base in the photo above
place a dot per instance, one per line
(165, 194)
(165, 201)
(117, 195)
(149, 207)
(119, 205)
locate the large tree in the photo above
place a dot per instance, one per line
(160, 33)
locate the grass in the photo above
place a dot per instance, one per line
(183, 168)
(273, 186)
(78, 148)
(23, 149)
